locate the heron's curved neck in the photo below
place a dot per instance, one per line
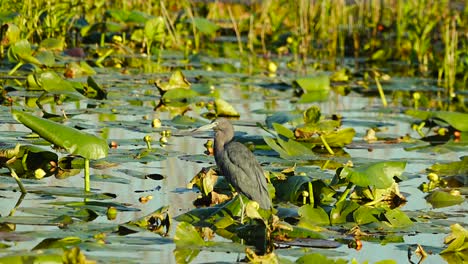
(221, 139)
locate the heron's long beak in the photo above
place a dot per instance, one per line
(207, 127)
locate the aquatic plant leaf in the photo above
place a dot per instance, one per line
(338, 138)
(155, 29)
(84, 214)
(177, 95)
(205, 26)
(366, 214)
(311, 243)
(21, 51)
(53, 83)
(397, 218)
(320, 82)
(457, 240)
(316, 216)
(57, 243)
(224, 108)
(158, 221)
(188, 243)
(440, 199)
(380, 174)
(69, 192)
(28, 161)
(186, 236)
(455, 119)
(94, 90)
(32, 257)
(283, 131)
(10, 33)
(312, 115)
(294, 148)
(313, 96)
(46, 57)
(291, 188)
(52, 44)
(271, 142)
(340, 212)
(177, 80)
(451, 168)
(319, 258)
(71, 139)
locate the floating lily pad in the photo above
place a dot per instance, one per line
(379, 175)
(440, 199)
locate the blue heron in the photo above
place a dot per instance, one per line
(238, 164)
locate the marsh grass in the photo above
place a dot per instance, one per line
(428, 36)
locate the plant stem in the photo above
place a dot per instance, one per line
(311, 194)
(326, 145)
(15, 68)
(86, 178)
(381, 92)
(345, 193)
(18, 180)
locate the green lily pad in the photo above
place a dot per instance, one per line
(452, 168)
(455, 119)
(57, 243)
(366, 214)
(440, 199)
(177, 80)
(316, 216)
(320, 82)
(380, 174)
(73, 140)
(21, 51)
(341, 212)
(223, 108)
(397, 218)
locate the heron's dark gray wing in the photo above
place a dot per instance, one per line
(240, 166)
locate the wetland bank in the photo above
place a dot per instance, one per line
(356, 111)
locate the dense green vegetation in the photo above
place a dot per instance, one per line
(157, 69)
(419, 38)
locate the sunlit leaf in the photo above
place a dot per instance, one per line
(57, 243)
(397, 218)
(366, 214)
(21, 51)
(379, 175)
(451, 168)
(155, 29)
(205, 26)
(317, 216)
(341, 212)
(440, 199)
(457, 241)
(315, 83)
(283, 131)
(455, 119)
(223, 108)
(338, 138)
(319, 258)
(177, 80)
(73, 140)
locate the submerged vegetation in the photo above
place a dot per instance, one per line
(333, 87)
